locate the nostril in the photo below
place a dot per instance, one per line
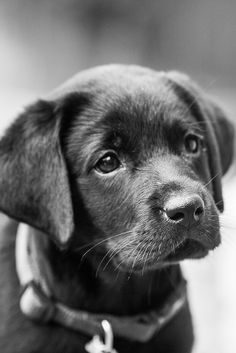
(198, 213)
(176, 217)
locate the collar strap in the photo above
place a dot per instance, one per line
(37, 304)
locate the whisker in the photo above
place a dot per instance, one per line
(145, 261)
(133, 263)
(217, 203)
(113, 254)
(145, 257)
(198, 95)
(141, 245)
(103, 259)
(103, 241)
(215, 176)
(116, 251)
(117, 267)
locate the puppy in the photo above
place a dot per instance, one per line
(121, 169)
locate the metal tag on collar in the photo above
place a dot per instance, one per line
(96, 345)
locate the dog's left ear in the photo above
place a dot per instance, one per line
(224, 132)
(34, 185)
(219, 130)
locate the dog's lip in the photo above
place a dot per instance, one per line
(189, 248)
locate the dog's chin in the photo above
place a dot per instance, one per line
(188, 249)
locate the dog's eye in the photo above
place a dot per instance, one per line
(192, 143)
(108, 163)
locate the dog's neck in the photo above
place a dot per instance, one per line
(79, 283)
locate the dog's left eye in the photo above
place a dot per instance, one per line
(108, 163)
(192, 143)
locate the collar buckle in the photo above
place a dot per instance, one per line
(96, 345)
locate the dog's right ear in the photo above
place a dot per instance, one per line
(34, 185)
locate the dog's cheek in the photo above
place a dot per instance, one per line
(109, 203)
(148, 242)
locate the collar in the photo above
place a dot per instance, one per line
(37, 304)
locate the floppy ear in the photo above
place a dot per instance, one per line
(224, 132)
(219, 130)
(34, 185)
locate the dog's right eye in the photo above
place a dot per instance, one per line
(108, 163)
(192, 143)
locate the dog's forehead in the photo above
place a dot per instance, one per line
(138, 112)
(128, 101)
(113, 86)
(136, 121)
(137, 102)
(111, 80)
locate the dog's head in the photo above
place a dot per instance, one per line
(124, 158)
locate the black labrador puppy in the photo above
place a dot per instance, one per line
(121, 167)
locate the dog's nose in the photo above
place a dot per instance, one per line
(185, 210)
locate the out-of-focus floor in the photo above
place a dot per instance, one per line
(212, 288)
(212, 281)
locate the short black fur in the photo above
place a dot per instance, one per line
(114, 244)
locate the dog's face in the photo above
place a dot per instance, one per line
(129, 159)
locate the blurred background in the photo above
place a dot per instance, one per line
(44, 42)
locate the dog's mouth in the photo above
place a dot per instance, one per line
(189, 249)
